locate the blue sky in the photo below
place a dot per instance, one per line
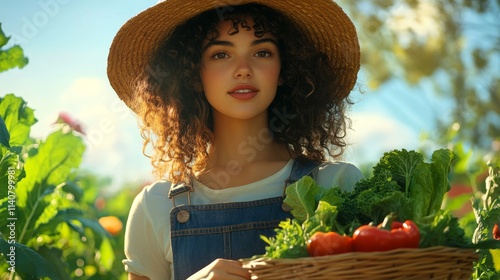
(67, 44)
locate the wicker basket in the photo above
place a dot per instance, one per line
(429, 263)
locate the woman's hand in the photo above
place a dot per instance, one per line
(222, 269)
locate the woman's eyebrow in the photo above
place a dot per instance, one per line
(229, 44)
(218, 43)
(264, 40)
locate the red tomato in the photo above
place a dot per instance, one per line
(329, 243)
(400, 235)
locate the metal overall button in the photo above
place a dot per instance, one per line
(183, 216)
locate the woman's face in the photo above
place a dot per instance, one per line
(240, 73)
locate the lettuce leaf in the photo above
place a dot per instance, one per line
(440, 168)
(301, 197)
(421, 190)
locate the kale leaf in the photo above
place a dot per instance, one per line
(444, 230)
(424, 184)
(378, 196)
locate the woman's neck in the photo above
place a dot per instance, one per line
(243, 152)
(245, 141)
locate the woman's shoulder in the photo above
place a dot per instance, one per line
(338, 173)
(339, 166)
(153, 197)
(157, 189)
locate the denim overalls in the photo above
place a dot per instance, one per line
(203, 233)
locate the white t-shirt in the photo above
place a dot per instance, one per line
(147, 237)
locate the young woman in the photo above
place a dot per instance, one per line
(237, 99)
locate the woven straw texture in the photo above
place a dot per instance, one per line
(429, 263)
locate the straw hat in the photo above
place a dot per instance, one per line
(323, 21)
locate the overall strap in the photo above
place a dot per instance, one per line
(180, 188)
(300, 169)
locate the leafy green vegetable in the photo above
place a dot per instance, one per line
(301, 197)
(289, 241)
(324, 219)
(312, 212)
(444, 230)
(403, 184)
(347, 209)
(423, 184)
(486, 208)
(291, 236)
(401, 164)
(378, 196)
(421, 191)
(440, 168)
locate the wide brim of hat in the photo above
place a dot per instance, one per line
(323, 21)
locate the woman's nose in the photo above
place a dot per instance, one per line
(243, 69)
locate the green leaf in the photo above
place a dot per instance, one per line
(29, 214)
(3, 39)
(62, 216)
(440, 169)
(55, 257)
(10, 174)
(57, 157)
(421, 191)
(18, 118)
(401, 164)
(376, 205)
(289, 241)
(324, 219)
(12, 57)
(485, 244)
(301, 197)
(27, 260)
(495, 255)
(443, 230)
(334, 196)
(74, 189)
(4, 134)
(456, 203)
(48, 208)
(107, 254)
(71, 216)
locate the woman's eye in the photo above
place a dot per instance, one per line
(220, 55)
(263, 54)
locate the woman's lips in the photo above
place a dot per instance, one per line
(243, 92)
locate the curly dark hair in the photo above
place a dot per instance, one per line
(307, 114)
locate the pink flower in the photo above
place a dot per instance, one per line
(73, 124)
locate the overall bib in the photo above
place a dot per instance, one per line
(202, 233)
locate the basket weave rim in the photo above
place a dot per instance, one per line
(438, 262)
(262, 261)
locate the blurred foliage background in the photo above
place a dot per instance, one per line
(449, 47)
(68, 216)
